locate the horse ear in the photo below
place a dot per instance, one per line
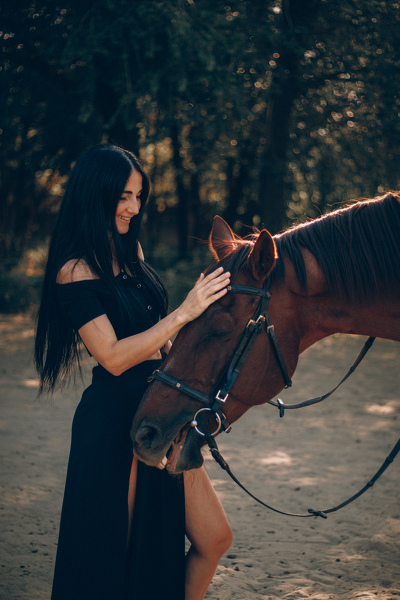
(222, 238)
(263, 256)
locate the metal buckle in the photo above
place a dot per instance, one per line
(218, 397)
(227, 427)
(194, 423)
(281, 407)
(255, 326)
(260, 322)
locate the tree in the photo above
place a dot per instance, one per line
(264, 111)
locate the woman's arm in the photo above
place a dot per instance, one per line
(117, 356)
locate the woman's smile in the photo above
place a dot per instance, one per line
(129, 204)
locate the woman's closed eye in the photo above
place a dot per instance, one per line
(125, 198)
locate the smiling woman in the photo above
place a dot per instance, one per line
(121, 522)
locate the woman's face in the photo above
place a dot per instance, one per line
(129, 204)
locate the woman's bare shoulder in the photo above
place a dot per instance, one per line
(75, 270)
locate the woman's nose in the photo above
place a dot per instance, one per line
(134, 206)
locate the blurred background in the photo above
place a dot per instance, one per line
(264, 112)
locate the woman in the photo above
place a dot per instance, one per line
(123, 523)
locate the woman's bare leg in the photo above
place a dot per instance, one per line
(131, 494)
(207, 529)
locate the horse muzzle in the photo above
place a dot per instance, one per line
(178, 452)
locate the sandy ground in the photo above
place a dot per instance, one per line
(314, 457)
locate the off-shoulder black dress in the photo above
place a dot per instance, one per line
(93, 561)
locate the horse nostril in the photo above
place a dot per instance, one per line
(146, 436)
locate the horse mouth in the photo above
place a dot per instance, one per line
(174, 451)
(183, 454)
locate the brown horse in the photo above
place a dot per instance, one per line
(337, 274)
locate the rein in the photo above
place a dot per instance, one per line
(311, 512)
(279, 404)
(217, 398)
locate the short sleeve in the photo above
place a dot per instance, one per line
(81, 302)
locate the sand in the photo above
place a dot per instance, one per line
(315, 457)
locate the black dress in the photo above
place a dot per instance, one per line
(93, 561)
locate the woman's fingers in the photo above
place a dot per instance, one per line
(213, 283)
(207, 290)
(215, 280)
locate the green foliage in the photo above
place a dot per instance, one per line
(266, 112)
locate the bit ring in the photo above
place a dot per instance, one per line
(194, 422)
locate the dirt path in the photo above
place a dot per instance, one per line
(315, 457)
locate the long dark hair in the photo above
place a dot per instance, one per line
(86, 220)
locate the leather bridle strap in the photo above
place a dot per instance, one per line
(282, 407)
(265, 293)
(179, 386)
(311, 512)
(219, 395)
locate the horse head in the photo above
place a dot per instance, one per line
(162, 431)
(337, 274)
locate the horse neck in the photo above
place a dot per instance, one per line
(319, 314)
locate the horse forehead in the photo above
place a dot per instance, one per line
(234, 305)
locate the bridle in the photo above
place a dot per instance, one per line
(214, 401)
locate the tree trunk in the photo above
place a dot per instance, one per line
(237, 176)
(285, 85)
(183, 208)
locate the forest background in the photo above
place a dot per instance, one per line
(264, 112)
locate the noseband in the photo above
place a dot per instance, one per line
(219, 395)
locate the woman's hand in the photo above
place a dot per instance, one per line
(207, 290)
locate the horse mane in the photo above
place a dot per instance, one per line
(356, 247)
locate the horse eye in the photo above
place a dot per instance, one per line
(218, 326)
(213, 335)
